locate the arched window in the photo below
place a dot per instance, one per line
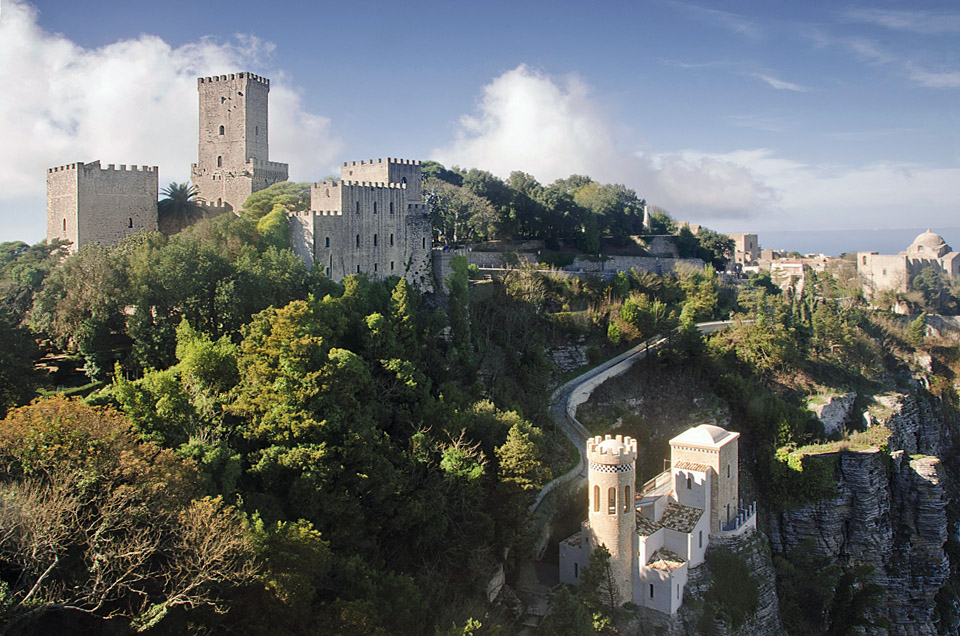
(219, 162)
(374, 240)
(326, 243)
(391, 240)
(626, 498)
(221, 130)
(358, 207)
(374, 207)
(596, 498)
(130, 222)
(612, 501)
(403, 181)
(358, 240)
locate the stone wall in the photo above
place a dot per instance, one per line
(90, 204)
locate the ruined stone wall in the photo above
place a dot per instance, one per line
(100, 205)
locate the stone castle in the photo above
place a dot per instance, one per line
(895, 272)
(373, 219)
(657, 533)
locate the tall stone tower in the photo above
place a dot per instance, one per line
(613, 518)
(233, 159)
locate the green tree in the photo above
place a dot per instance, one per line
(18, 379)
(179, 207)
(567, 616)
(598, 587)
(917, 330)
(290, 195)
(521, 462)
(459, 215)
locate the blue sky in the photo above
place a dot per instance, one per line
(743, 116)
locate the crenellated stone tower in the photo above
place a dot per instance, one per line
(233, 158)
(612, 518)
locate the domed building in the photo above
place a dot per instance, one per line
(895, 272)
(657, 532)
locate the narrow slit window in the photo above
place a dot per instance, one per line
(391, 207)
(391, 240)
(391, 266)
(375, 267)
(651, 590)
(326, 243)
(358, 207)
(219, 162)
(358, 269)
(130, 222)
(596, 498)
(689, 482)
(358, 240)
(374, 240)
(576, 570)
(626, 498)
(64, 225)
(612, 501)
(374, 207)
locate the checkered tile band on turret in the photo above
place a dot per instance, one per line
(611, 468)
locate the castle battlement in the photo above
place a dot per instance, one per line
(231, 77)
(405, 162)
(95, 165)
(612, 450)
(267, 165)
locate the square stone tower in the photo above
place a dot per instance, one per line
(717, 449)
(90, 204)
(233, 158)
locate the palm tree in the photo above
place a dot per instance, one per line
(179, 208)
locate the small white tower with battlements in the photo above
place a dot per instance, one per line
(612, 517)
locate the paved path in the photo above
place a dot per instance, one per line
(564, 400)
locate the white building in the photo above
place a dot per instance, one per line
(655, 535)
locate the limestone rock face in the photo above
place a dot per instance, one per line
(889, 513)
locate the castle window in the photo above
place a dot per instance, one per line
(64, 225)
(219, 162)
(596, 498)
(651, 590)
(358, 207)
(222, 99)
(256, 131)
(358, 269)
(219, 202)
(391, 240)
(221, 130)
(864, 260)
(678, 591)
(689, 482)
(326, 243)
(391, 266)
(626, 498)
(423, 241)
(701, 538)
(612, 501)
(728, 512)
(374, 240)
(358, 240)
(403, 181)
(374, 267)
(576, 570)
(374, 207)
(130, 222)
(728, 471)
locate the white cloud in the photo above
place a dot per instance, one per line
(779, 84)
(552, 128)
(133, 101)
(924, 22)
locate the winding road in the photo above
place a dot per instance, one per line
(565, 400)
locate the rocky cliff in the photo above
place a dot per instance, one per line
(889, 513)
